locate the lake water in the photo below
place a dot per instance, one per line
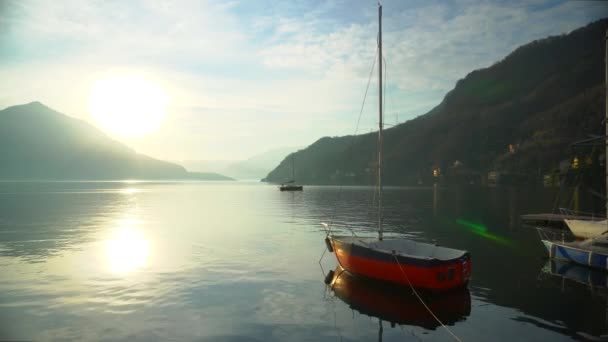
(239, 262)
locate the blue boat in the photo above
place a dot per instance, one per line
(592, 253)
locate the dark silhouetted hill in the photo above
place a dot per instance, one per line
(39, 143)
(518, 116)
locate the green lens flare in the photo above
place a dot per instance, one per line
(472, 226)
(482, 231)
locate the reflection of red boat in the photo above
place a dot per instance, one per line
(397, 305)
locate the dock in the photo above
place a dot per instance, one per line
(554, 220)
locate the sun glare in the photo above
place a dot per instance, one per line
(127, 251)
(128, 105)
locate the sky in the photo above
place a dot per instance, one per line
(244, 77)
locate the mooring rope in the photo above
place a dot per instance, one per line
(321, 258)
(422, 301)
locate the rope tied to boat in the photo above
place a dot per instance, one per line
(422, 301)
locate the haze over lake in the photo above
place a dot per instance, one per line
(238, 262)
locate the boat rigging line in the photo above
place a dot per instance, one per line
(352, 143)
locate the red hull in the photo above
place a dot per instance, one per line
(447, 275)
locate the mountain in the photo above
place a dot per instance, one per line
(517, 116)
(255, 167)
(39, 143)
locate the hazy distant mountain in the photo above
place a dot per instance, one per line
(255, 167)
(519, 115)
(39, 143)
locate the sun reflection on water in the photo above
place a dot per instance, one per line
(127, 250)
(128, 191)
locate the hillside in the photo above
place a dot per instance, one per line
(39, 143)
(539, 99)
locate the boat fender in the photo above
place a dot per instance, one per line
(329, 277)
(451, 273)
(330, 248)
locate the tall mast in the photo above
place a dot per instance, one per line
(606, 118)
(380, 229)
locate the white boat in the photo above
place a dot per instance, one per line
(587, 229)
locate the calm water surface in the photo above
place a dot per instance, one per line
(239, 262)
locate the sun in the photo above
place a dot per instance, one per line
(128, 105)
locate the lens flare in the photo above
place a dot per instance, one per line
(482, 230)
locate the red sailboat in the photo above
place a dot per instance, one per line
(403, 261)
(398, 260)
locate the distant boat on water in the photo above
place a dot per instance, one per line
(291, 185)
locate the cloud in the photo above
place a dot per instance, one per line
(245, 77)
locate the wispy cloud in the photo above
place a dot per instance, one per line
(245, 76)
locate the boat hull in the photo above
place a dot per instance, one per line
(430, 274)
(577, 255)
(291, 188)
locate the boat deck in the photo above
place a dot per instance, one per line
(405, 247)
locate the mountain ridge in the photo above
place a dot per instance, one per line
(40, 143)
(483, 123)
